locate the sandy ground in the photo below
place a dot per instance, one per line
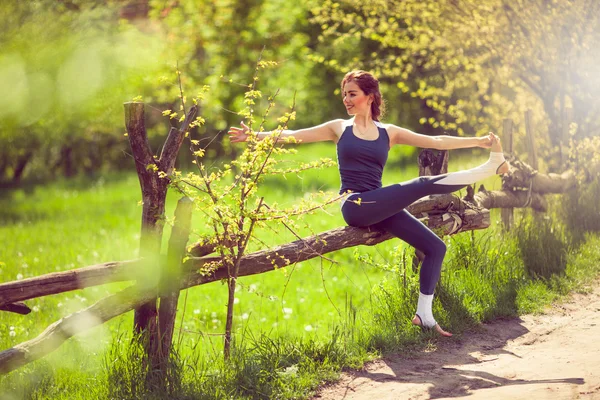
(550, 356)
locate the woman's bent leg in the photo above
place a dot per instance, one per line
(406, 227)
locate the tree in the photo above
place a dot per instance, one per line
(471, 63)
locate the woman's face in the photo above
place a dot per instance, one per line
(355, 100)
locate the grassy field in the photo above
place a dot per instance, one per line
(359, 307)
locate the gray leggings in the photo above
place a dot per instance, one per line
(384, 208)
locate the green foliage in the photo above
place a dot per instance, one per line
(464, 66)
(445, 67)
(65, 73)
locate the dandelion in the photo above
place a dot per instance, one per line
(287, 310)
(35, 309)
(19, 277)
(308, 328)
(196, 311)
(236, 300)
(245, 316)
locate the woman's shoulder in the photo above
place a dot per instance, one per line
(339, 125)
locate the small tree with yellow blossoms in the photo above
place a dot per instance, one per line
(229, 198)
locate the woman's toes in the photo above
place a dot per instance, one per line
(442, 332)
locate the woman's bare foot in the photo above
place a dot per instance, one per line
(497, 148)
(417, 321)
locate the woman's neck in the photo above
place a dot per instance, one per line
(363, 120)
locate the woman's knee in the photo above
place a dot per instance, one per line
(436, 248)
(352, 217)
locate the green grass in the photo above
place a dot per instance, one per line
(294, 327)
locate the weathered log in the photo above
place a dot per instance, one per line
(313, 246)
(539, 183)
(65, 281)
(49, 340)
(118, 271)
(507, 199)
(60, 282)
(523, 176)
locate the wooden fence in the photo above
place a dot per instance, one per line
(523, 186)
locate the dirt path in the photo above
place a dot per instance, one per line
(552, 356)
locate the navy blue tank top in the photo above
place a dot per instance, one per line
(361, 161)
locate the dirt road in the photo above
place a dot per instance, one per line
(550, 356)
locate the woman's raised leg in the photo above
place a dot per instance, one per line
(368, 208)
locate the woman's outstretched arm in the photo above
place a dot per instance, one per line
(328, 131)
(400, 135)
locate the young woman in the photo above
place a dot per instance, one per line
(363, 144)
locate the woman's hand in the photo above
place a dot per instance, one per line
(238, 134)
(486, 141)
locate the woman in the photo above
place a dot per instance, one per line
(363, 144)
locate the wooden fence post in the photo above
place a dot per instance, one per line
(170, 282)
(153, 198)
(154, 193)
(507, 214)
(531, 141)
